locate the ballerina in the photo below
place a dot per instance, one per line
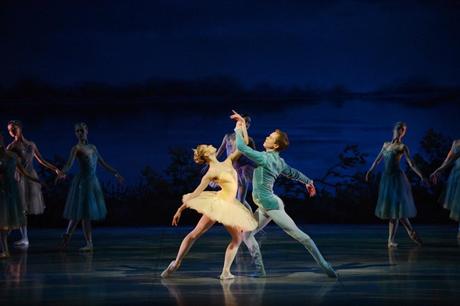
(85, 200)
(221, 206)
(395, 201)
(30, 191)
(451, 199)
(11, 210)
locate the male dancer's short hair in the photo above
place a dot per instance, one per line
(282, 140)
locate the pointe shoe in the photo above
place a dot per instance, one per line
(392, 245)
(415, 238)
(22, 243)
(4, 255)
(330, 271)
(169, 270)
(226, 275)
(87, 248)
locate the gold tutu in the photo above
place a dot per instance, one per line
(231, 213)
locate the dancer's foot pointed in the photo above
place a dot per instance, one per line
(415, 238)
(169, 270)
(22, 243)
(392, 244)
(87, 248)
(330, 271)
(4, 255)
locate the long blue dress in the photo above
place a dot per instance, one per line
(395, 199)
(85, 200)
(452, 196)
(11, 211)
(30, 191)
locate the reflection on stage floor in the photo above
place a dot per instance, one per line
(125, 266)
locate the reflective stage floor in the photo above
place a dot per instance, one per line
(125, 266)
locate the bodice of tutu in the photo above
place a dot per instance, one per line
(392, 158)
(227, 180)
(87, 159)
(25, 152)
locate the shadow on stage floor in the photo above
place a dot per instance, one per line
(125, 266)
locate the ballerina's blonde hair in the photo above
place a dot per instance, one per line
(200, 154)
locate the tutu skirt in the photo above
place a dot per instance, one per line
(231, 213)
(31, 194)
(395, 199)
(85, 200)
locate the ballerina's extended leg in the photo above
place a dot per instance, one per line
(203, 225)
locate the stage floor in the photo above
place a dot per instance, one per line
(125, 266)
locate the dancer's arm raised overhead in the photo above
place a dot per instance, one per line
(240, 125)
(257, 157)
(411, 163)
(451, 157)
(377, 160)
(223, 146)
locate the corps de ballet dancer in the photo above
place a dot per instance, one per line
(451, 198)
(85, 200)
(29, 191)
(395, 201)
(12, 214)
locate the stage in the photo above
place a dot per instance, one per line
(125, 266)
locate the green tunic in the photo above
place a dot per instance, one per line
(269, 165)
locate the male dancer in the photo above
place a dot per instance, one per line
(269, 165)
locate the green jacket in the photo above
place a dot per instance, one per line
(269, 165)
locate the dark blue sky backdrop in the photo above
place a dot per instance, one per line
(359, 44)
(362, 45)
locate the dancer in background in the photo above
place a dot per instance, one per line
(85, 200)
(451, 199)
(395, 201)
(243, 166)
(29, 190)
(269, 166)
(221, 206)
(11, 210)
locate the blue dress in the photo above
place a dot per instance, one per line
(85, 200)
(30, 191)
(395, 199)
(11, 211)
(452, 197)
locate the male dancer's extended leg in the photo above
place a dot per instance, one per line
(253, 246)
(283, 220)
